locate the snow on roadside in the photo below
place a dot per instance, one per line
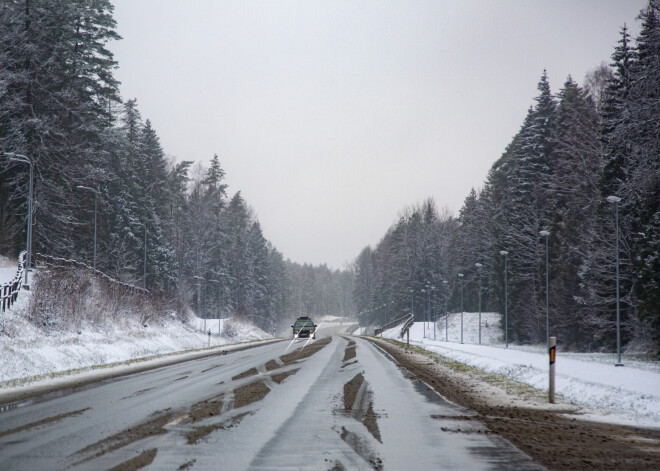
(627, 395)
(8, 269)
(28, 351)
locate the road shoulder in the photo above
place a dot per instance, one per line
(49, 383)
(552, 434)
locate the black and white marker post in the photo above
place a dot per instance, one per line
(551, 351)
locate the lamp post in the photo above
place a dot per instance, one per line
(479, 265)
(546, 234)
(22, 158)
(616, 200)
(431, 310)
(506, 300)
(444, 282)
(95, 212)
(460, 275)
(424, 310)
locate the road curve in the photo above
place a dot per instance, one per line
(328, 404)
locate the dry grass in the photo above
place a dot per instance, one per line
(65, 299)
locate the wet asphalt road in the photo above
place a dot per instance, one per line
(340, 403)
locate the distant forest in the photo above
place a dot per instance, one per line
(574, 149)
(60, 107)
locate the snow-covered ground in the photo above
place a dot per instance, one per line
(28, 352)
(8, 269)
(627, 395)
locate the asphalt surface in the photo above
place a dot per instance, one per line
(327, 404)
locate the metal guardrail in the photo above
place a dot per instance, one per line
(56, 262)
(9, 291)
(352, 328)
(391, 324)
(409, 322)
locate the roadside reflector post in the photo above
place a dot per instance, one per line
(209, 337)
(551, 351)
(408, 337)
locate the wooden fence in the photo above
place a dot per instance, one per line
(9, 291)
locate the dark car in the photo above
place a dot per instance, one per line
(304, 327)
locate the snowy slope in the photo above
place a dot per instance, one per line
(629, 394)
(27, 351)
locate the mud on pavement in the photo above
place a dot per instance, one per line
(554, 438)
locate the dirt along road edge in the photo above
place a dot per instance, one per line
(552, 434)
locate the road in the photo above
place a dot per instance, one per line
(331, 404)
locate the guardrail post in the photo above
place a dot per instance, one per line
(551, 353)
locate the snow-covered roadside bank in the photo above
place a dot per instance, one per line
(30, 354)
(23, 388)
(627, 395)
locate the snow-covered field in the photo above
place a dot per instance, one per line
(628, 395)
(28, 352)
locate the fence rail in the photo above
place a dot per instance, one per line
(56, 262)
(408, 323)
(352, 328)
(9, 291)
(391, 324)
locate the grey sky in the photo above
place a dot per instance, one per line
(332, 116)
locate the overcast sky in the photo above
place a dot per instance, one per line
(331, 116)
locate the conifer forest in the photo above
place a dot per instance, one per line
(60, 107)
(578, 146)
(575, 148)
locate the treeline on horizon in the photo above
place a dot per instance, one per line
(60, 107)
(573, 150)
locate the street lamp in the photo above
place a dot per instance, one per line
(460, 275)
(432, 311)
(444, 282)
(24, 159)
(95, 211)
(546, 234)
(479, 265)
(424, 310)
(506, 300)
(616, 200)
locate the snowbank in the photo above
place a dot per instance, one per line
(627, 395)
(30, 351)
